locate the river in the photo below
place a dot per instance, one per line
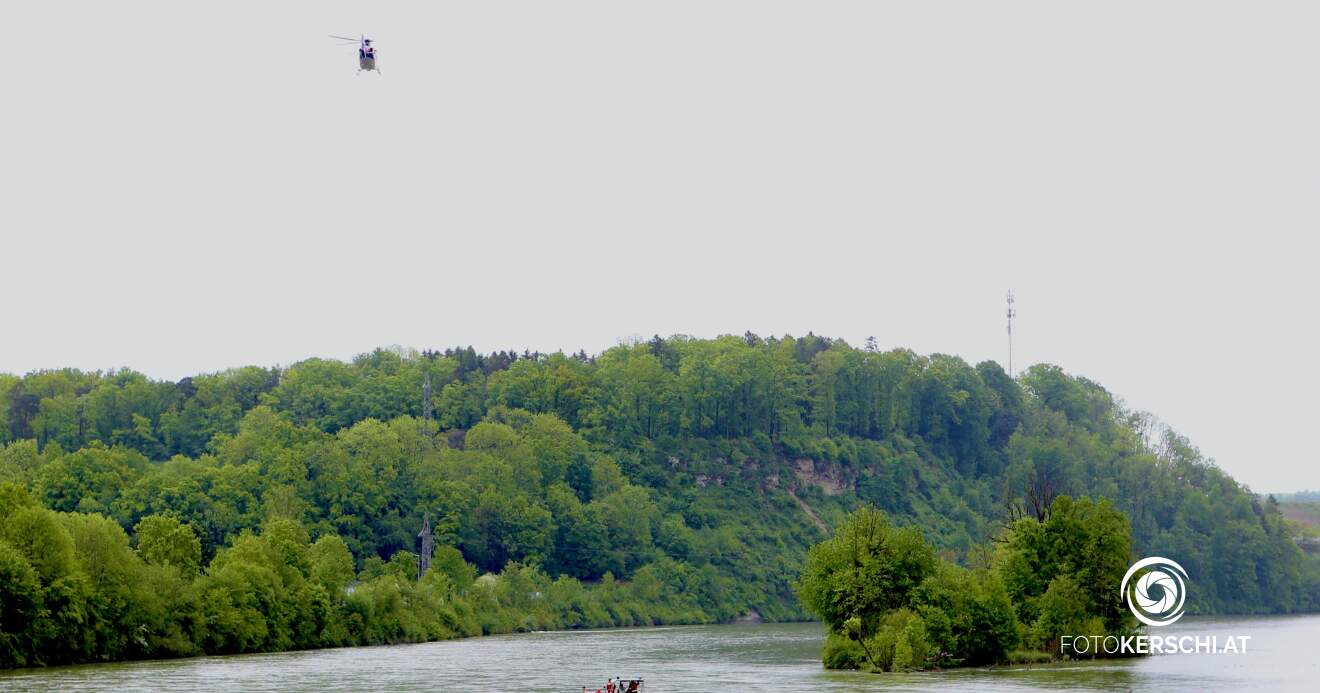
(771, 657)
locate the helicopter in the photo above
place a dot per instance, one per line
(366, 52)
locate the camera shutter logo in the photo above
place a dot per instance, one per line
(1158, 595)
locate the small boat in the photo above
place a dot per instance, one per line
(618, 684)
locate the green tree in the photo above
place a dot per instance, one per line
(1084, 541)
(163, 540)
(868, 568)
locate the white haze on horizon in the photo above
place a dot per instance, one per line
(194, 187)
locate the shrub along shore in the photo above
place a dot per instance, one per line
(75, 590)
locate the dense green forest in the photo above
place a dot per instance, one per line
(673, 480)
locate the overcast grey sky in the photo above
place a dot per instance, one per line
(188, 187)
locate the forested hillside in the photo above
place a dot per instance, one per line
(694, 472)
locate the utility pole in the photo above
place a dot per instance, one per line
(426, 405)
(1012, 313)
(428, 546)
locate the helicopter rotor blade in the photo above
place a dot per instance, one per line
(343, 38)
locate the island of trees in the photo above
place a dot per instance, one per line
(674, 480)
(892, 605)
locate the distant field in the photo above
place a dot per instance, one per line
(1305, 512)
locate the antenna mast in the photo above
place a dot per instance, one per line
(1012, 313)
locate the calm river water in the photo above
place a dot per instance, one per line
(1282, 655)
